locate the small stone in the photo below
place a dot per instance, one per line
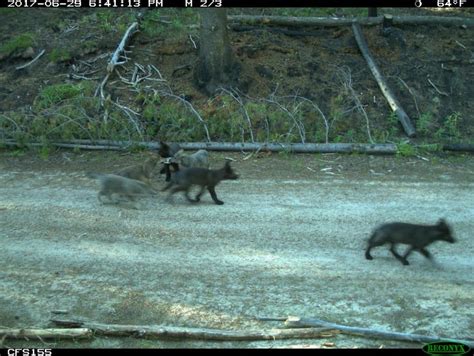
(28, 53)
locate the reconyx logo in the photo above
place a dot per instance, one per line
(446, 348)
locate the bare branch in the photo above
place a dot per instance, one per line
(30, 62)
(191, 107)
(434, 86)
(412, 94)
(347, 82)
(235, 95)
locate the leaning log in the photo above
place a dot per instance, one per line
(387, 92)
(386, 148)
(294, 321)
(114, 60)
(43, 334)
(334, 21)
(182, 333)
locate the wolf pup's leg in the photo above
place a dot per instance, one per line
(175, 190)
(371, 245)
(167, 172)
(168, 186)
(425, 253)
(186, 194)
(212, 191)
(367, 253)
(398, 257)
(198, 195)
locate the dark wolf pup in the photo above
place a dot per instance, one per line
(417, 236)
(142, 172)
(114, 187)
(185, 178)
(168, 151)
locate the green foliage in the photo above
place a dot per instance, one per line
(44, 150)
(430, 148)
(406, 150)
(17, 44)
(389, 130)
(451, 125)
(54, 94)
(450, 128)
(107, 19)
(175, 123)
(425, 124)
(59, 55)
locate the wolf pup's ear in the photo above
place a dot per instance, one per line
(442, 222)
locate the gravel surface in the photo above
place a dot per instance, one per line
(282, 244)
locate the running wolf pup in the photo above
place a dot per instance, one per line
(183, 180)
(417, 236)
(142, 172)
(114, 187)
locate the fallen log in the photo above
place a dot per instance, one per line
(170, 332)
(387, 92)
(386, 148)
(294, 321)
(364, 21)
(43, 334)
(460, 147)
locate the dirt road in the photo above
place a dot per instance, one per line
(289, 240)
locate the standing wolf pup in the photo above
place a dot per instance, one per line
(417, 236)
(168, 151)
(184, 179)
(199, 159)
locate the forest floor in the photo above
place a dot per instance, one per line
(428, 68)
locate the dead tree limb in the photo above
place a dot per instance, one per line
(301, 21)
(43, 334)
(191, 107)
(385, 148)
(170, 332)
(460, 147)
(30, 62)
(294, 321)
(387, 92)
(114, 61)
(364, 21)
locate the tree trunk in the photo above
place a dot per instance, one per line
(372, 12)
(216, 66)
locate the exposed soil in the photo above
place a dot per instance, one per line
(289, 240)
(309, 66)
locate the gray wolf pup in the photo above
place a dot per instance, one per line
(199, 159)
(114, 187)
(142, 172)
